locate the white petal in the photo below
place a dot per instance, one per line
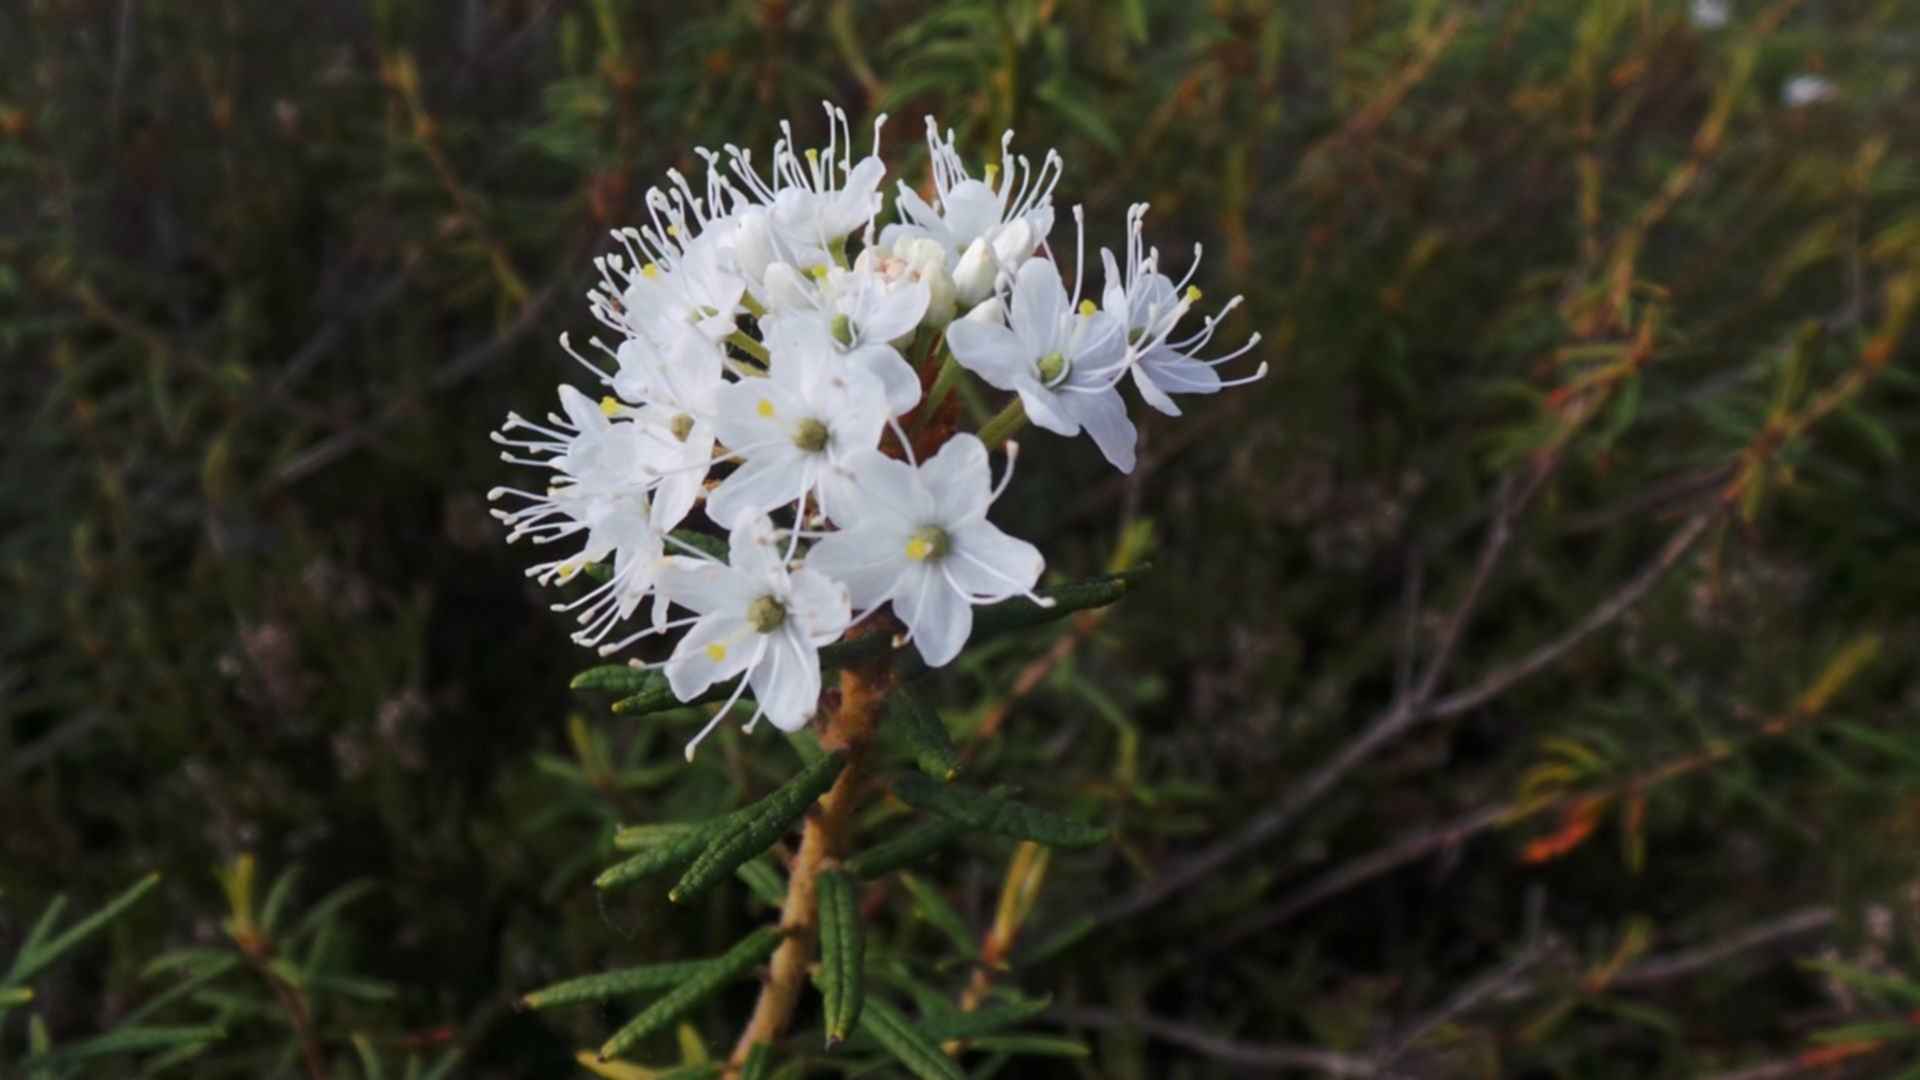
(939, 617)
(869, 562)
(895, 375)
(1045, 408)
(786, 682)
(768, 481)
(1151, 393)
(988, 562)
(1105, 416)
(705, 588)
(1039, 303)
(895, 312)
(1179, 375)
(989, 351)
(718, 647)
(819, 606)
(957, 478)
(871, 488)
(753, 411)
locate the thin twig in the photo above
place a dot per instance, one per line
(1499, 681)
(1220, 1048)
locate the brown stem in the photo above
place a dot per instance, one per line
(862, 690)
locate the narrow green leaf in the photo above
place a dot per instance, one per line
(843, 954)
(763, 881)
(765, 822)
(713, 974)
(972, 1025)
(1032, 1045)
(986, 813)
(615, 678)
(15, 995)
(921, 1055)
(661, 857)
(904, 850)
(136, 1040)
(925, 732)
(31, 961)
(658, 834)
(935, 909)
(277, 897)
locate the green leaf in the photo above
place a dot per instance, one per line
(658, 834)
(765, 822)
(713, 974)
(842, 954)
(763, 880)
(136, 1040)
(972, 1025)
(1032, 1045)
(925, 732)
(37, 954)
(986, 813)
(921, 1055)
(616, 678)
(666, 854)
(904, 850)
(612, 984)
(935, 909)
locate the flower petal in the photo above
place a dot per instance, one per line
(1039, 303)
(1104, 415)
(768, 481)
(988, 562)
(939, 616)
(786, 681)
(718, 647)
(989, 351)
(957, 478)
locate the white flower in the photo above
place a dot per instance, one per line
(1710, 14)
(915, 258)
(1803, 90)
(1150, 305)
(594, 493)
(756, 617)
(1062, 362)
(854, 317)
(815, 198)
(787, 427)
(1012, 220)
(920, 537)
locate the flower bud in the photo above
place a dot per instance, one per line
(989, 311)
(927, 261)
(1013, 244)
(973, 278)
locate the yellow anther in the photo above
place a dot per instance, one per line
(1193, 294)
(765, 408)
(1087, 307)
(673, 230)
(567, 570)
(992, 170)
(928, 542)
(651, 270)
(813, 156)
(716, 652)
(609, 405)
(818, 273)
(918, 549)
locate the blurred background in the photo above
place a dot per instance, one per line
(1525, 682)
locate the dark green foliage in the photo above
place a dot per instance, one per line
(842, 954)
(989, 813)
(757, 828)
(270, 272)
(711, 976)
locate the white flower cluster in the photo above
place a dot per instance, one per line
(761, 372)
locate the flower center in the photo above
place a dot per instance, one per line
(842, 329)
(681, 426)
(1053, 369)
(766, 614)
(928, 542)
(810, 435)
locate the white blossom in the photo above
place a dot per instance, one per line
(754, 616)
(920, 538)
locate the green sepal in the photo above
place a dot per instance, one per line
(713, 974)
(842, 954)
(764, 822)
(925, 732)
(612, 984)
(986, 813)
(904, 850)
(892, 1030)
